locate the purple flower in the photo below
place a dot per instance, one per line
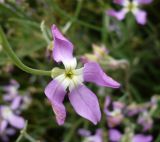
(8, 116)
(1, 1)
(4, 135)
(116, 136)
(130, 6)
(99, 53)
(11, 91)
(145, 120)
(115, 116)
(12, 96)
(83, 100)
(91, 138)
(84, 132)
(142, 138)
(134, 109)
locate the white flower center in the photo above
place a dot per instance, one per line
(13, 90)
(116, 112)
(130, 6)
(6, 112)
(71, 77)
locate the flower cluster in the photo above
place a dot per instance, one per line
(101, 55)
(10, 111)
(88, 137)
(130, 6)
(69, 82)
(118, 113)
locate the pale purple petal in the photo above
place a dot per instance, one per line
(144, 1)
(94, 73)
(114, 121)
(62, 48)
(99, 135)
(119, 15)
(1, 1)
(107, 103)
(118, 105)
(120, 2)
(141, 17)
(16, 121)
(94, 138)
(145, 120)
(84, 132)
(56, 93)
(16, 103)
(10, 131)
(85, 103)
(114, 135)
(3, 126)
(142, 138)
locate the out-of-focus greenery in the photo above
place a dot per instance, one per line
(88, 24)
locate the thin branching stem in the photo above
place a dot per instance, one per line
(7, 48)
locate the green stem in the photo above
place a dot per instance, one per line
(75, 17)
(16, 60)
(72, 131)
(64, 14)
(44, 32)
(24, 134)
(28, 137)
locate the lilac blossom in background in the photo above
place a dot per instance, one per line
(69, 81)
(9, 117)
(12, 96)
(133, 109)
(97, 137)
(115, 116)
(101, 55)
(84, 132)
(11, 91)
(116, 136)
(1, 1)
(5, 134)
(154, 103)
(145, 120)
(130, 6)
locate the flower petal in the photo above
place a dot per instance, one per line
(84, 132)
(16, 102)
(142, 138)
(63, 48)
(93, 73)
(16, 121)
(144, 1)
(10, 131)
(119, 15)
(114, 135)
(3, 126)
(141, 16)
(120, 2)
(56, 93)
(85, 103)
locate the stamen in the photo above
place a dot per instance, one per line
(69, 74)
